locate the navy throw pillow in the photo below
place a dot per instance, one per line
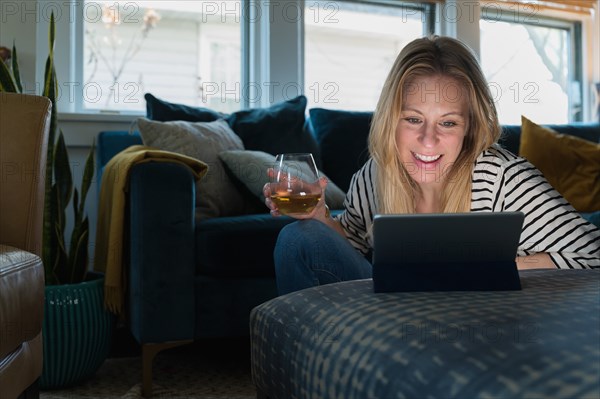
(276, 129)
(343, 141)
(163, 111)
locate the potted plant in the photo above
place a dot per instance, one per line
(77, 329)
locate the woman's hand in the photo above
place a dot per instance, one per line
(320, 211)
(540, 260)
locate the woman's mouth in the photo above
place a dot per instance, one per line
(426, 159)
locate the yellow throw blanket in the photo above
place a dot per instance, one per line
(111, 212)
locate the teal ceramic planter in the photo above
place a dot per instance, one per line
(77, 333)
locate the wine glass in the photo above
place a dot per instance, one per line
(294, 184)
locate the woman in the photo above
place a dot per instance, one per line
(432, 146)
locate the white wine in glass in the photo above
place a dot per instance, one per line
(294, 184)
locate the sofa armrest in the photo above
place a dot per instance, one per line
(161, 234)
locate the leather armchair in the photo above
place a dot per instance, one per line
(24, 128)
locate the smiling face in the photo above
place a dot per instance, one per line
(432, 127)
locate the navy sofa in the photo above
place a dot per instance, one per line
(190, 278)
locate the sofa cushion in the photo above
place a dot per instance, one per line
(250, 169)
(237, 246)
(571, 164)
(276, 129)
(216, 194)
(160, 110)
(342, 138)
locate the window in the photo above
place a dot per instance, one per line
(184, 51)
(349, 48)
(339, 53)
(532, 68)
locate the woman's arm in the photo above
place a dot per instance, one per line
(331, 222)
(554, 234)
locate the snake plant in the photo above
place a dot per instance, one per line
(63, 264)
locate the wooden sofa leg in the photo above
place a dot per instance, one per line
(149, 351)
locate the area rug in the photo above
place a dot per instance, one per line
(185, 372)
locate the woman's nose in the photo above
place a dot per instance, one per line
(429, 137)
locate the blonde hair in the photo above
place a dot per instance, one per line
(426, 57)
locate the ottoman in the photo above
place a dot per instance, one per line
(344, 341)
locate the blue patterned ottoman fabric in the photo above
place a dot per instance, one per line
(343, 341)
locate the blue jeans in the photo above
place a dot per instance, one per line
(310, 253)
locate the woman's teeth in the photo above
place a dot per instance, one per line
(427, 158)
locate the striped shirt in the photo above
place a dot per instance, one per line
(502, 182)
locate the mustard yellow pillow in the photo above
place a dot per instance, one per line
(571, 164)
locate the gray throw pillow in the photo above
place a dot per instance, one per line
(216, 194)
(250, 168)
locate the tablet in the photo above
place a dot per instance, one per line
(446, 252)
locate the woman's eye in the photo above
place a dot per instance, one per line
(448, 124)
(412, 120)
